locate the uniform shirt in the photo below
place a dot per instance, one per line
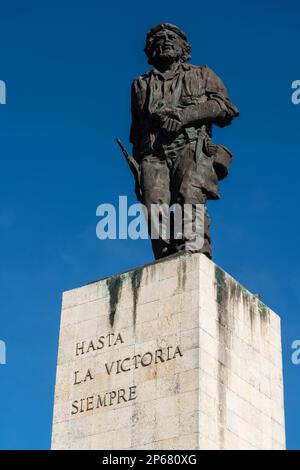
(187, 85)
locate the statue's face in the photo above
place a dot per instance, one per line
(167, 45)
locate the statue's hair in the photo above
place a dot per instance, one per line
(186, 47)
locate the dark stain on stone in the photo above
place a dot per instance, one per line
(263, 311)
(174, 386)
(221, 283)
(135, 415)
(153, 270)
(224, 345)
(235, 291)
(232, 291)
(114, 286)
(135, 277)
(264, 315)
(177, 384)
(181, 273)
(248, 306)
(252, 315)
(239, 289)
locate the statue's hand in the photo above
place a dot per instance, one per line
(174, 121)
(184, 116)
(162, 113)
(172, 125)
(169, 118)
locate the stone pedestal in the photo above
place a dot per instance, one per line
(173, 355)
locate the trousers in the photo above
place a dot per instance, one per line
(168, 179)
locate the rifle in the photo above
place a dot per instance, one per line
(135, 169)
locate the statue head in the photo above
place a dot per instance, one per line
(166, 43)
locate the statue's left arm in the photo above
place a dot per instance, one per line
(218, 108)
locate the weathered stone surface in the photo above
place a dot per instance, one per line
(173, 355)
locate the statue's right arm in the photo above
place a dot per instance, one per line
(134, 129)
(134, 114)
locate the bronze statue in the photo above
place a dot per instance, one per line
(174, 107)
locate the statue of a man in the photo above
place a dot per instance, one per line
(173, 109)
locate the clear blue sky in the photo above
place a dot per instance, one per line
(68, 68)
